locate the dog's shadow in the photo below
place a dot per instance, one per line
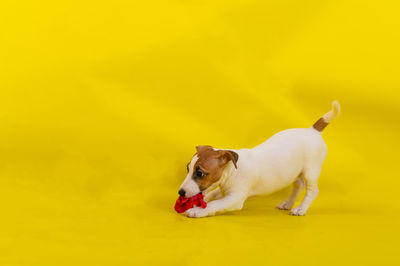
(254, 206)
(260, 206)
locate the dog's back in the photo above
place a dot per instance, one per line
(289, 154)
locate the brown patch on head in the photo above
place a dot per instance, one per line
(210, 165)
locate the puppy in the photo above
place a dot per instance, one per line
(228, 177)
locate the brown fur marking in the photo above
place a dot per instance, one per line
(212, 163)
(320, 124)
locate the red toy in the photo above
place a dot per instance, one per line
(182, 204)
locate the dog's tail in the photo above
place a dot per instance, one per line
(328, 117)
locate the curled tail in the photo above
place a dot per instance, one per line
(328, 117)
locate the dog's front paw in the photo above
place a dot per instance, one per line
(196, 212)
(298, 211)
(284, 206)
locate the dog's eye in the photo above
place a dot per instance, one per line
(199, 173)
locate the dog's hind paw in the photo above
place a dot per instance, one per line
(283, 206)
(298, 211)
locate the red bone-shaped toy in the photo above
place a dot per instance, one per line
(182, 204)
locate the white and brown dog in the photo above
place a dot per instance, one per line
(228, 177)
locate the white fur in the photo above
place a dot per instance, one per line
(329, 116)
(293, 156)
(189, 185)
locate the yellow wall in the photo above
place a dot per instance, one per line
(102, 103)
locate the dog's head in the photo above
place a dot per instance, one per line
(206, 168)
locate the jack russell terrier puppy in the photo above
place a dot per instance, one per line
(228, 177)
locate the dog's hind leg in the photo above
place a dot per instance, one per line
(311, 178)
(298, 187)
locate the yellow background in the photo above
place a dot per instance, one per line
(103, 102)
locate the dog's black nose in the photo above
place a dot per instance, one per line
(182, 192)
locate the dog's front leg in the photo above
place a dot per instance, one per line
(213, 195)
(230, 202)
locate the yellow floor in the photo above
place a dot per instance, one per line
(103, 102)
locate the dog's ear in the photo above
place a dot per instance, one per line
(203, 148)
(228, 155)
